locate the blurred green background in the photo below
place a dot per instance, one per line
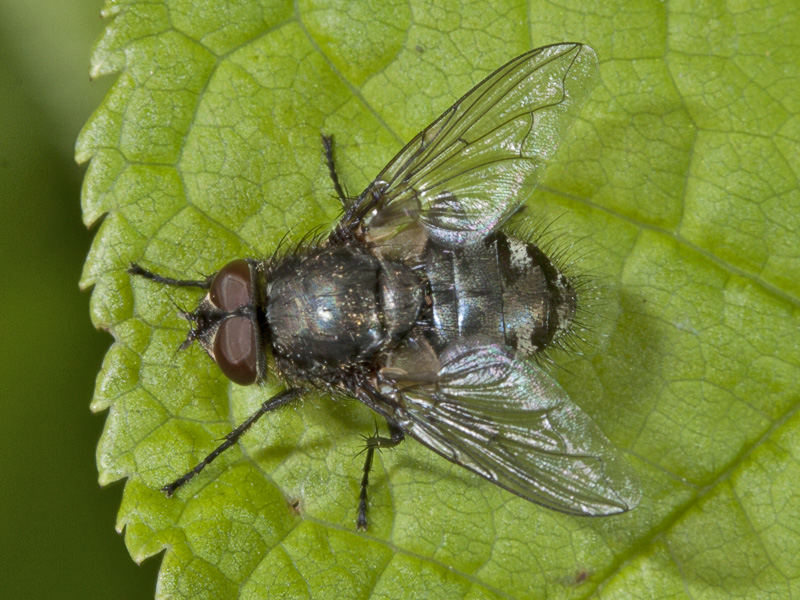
(57, 537)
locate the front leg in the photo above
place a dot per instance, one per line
(231, 438)
(135, 269)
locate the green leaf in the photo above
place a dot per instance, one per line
(678, 187)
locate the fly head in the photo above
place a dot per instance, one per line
(227, 322)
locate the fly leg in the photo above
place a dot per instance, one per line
(135, 269)
(354, 207)
(373, 442)
(230, 439)
(327, 145)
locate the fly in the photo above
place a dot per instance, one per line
(419, 305)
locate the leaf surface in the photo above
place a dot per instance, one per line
(676, 191)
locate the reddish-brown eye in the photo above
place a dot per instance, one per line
(236, 350)
(232, 286)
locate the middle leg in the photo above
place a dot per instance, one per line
(375, 442)
(327, 145)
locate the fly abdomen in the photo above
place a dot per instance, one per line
(467, 292)
(505, 289)
(539, 302)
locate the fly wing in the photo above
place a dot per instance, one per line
(471, 168)
(511, 423)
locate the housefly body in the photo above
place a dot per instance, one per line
(421, 306)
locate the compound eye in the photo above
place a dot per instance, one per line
(236, 350)
(232, 286)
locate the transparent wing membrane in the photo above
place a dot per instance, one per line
(471, 168)
(510, 422)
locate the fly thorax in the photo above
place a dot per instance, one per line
(401, 293)
(323, 308)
